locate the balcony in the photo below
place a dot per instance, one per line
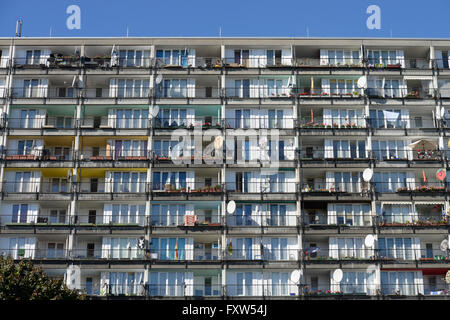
(263, 254)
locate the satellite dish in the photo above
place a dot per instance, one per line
(231, 207)
(158, 78)
(440, 174)
(218, 142)
(367, 174)
(141, 242)
(338, 275)
(362, 82)
(444, 245)
(295, 276)
(262, 142)
(74, 82)
(155, 111)
(369, 241)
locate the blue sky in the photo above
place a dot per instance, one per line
(286, 18)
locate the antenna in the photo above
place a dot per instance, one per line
(19, 28)
(127, 31)
(220, 31)
(50, 31)
(307, 32)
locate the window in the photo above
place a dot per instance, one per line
(351, 214)
(125, 248)
(348, 181)
(244, 215)
(392, 88)
(163, 180)
(64, 122)
(172, 88)
(389, 118)
(128, 283)
(389, 181)
(242, 88)
(134, 58)
(167, 284)
(389, 150)
(351, 248)
(128, 213)
(274, 57)
(173, 57)
(28, 119)
(129, 181)
(32, 57)
(23, 182)
(168, 214)
(341, 86)
(343, 57)
(19, 213)
(31, 88)
(24, 147)
(131, 118)
(383, 58)
(396, 213)
(92, 218)
(172, 117)
(55, 250)
(277, 215)
(401, 282)
(130, 148)
(58, 185)
(396, 248)
(278, 249)
(349, 149)
(356, 282)
(168, 248)
(133, 88)
(275, 118)
(57, 216)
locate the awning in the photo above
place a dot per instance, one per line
(423, 144)
(418, 77)
(429, 203)
(397, 203)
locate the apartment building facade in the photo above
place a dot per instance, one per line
(222, 167)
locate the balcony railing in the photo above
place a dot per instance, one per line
(113, 154)
(262, 187)
(186, 220)
(38, 154)
(195, 188)
(263, 254)
(262, 219)
(79, 220)
(347, 219)
(206, 122)
(182, 254)
(412, 219)
(199, 92)
(335, 187)
(259, 123)
(46, 122)
(135, 289)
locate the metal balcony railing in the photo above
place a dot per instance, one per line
(411, 219)
(262, 187)
(182, 220)
(262, 219)
(42, 154)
